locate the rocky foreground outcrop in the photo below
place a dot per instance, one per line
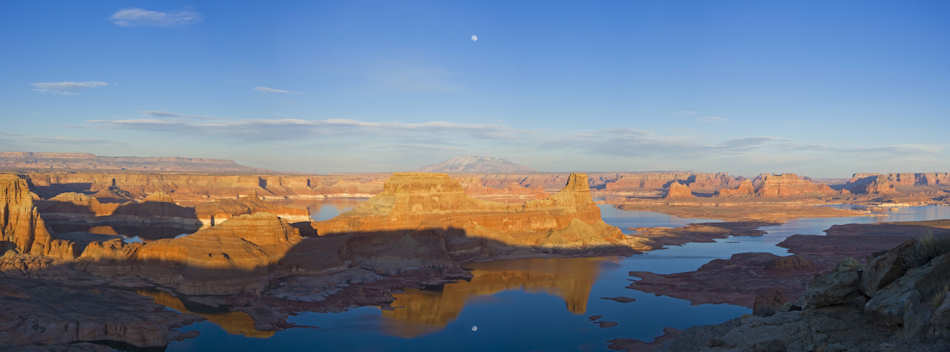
(746, 277)
(896, 301)
(566, 221)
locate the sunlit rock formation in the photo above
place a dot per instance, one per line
(247, 242)
(779, 186)
(568, 219)
(645, 182)
(678, 190)
(22, 229)
(234, 257)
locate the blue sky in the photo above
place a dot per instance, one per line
(823, 88)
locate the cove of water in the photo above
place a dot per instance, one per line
(535, 304)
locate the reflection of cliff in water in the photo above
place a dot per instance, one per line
(233, 322)
(418, 312)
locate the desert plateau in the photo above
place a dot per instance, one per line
(172, 255)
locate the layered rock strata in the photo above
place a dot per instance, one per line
(22, 228)
(677, 191)
(779, 186)
(567, 220)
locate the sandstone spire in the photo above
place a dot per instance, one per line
(20, 223)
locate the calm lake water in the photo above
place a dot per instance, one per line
(534, 304)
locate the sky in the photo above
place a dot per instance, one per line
(821, 88)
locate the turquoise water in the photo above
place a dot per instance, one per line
(547, 311)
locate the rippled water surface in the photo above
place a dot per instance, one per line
(535, 304)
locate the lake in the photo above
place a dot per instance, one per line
(534, 304)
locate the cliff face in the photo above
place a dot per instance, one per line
(416, 201)
(870, 183)
(245, 242)
(678, 190)
(21, 228)
(184, 187)
(641, 182)
(776, 186)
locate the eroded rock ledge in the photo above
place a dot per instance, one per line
(896, 301)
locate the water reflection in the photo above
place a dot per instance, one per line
(329, 209)
(418, 312)
(535, 304)
(627, 219)
(236, 323)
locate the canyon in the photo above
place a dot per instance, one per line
(240, 250)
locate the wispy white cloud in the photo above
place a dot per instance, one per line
(158, 114)
(21, 140)
(66, 87)
(623, 148)
(290, 128)
(68, 140)
(270, 90)
(135, 17)
(711, 118)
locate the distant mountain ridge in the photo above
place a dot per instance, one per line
(477, 165)
(87, 161)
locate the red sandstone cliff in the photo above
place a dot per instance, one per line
(653, 181)
(870, 183)
(678, 190)
(22, 228)
(779, 186)
(568, 219)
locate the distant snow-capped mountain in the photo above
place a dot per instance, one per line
(477, 165)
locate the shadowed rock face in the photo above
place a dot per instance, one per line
(411, 201)
(44, 314)
(897, 301)
(737, 280)
(157, 216)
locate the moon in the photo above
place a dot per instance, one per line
(474, 38)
